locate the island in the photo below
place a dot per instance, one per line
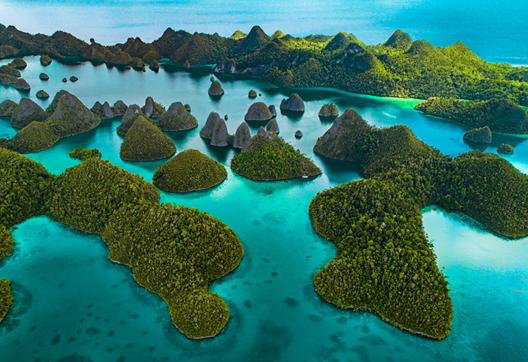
(189, 171)
(385, 264)
(84, 154)
(173, 251)
(399, 67)
(267, 157)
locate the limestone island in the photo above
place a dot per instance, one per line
(269, 158)
(385, 264)
(173, 251)
(189, 171)
(84, 154)
(177, 118)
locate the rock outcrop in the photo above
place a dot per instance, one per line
(152, 109)
(74, 79)
(258, 112)
(177, 118)
(215, 130)
(242, 136)
(18, 63)
(71, 117)
(45, 60)
(119, 108)
(328, 112)
(479, 135)
(26, 112)
(252, 94)
(298, 134)
(215, 90)
(132, 112)
(44, 77)
(41, 94)
(294, 105)
(22, 86)
(7, 108)
(273, 126)
(505, 149)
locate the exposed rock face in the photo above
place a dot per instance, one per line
(258, 112)
(64, 80)
(71, 116)
(298, 134)
(43, 76)
(55, 101)
(346, 130)
(22, 86)
(399, 40)
(294, 105)
(328, 112)
(273, 126)
(252, 94)
(132, 112)
(242, 136)
(26, 112)
(119, 108)
(41, 94)
(18, 63)
(7, 108)
(6, 69)
(479, 135)
(188, 108)
(215, 130)
(152, 109)
(215, 90)
(273, 110)
(73, 79)
(154, 66)
(97, 108)
(45, 60)
(107, 111)
(177, 118)
(144, 141)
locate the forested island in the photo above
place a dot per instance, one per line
(385, 264)
(400, 67)
(178, 262)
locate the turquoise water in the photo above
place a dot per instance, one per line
(494, 29)
(70, 300)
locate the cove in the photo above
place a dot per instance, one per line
(60, 276)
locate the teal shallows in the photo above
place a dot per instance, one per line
(71, 299)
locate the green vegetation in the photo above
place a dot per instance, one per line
(34, 137)
(7, 108)
(170, 251)
(400, 67)
(84, 154)
(384, 262)
(69, 116)
(269, 158)
(23, 187)
(6, 243)
(177, 118)
(501, 114)
(144, 141)
(6, 298)
(189, 171)
(85, 196)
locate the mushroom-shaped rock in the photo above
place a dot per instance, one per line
(26, 112)
(7, 108)
(215, 90)
(41, 94)
(71, 116)
(144, 141)
(479, 135)
(505, 149)
(43, 76)
(189, 171)
(18, 63)
(119, 108)
(242, 136)
(152, 109)
(273, 126)
(252, 94)
(293, 105)
(132, 112)
(207, 130)
(269, 158)
(298, 134)
(45, 60)
(73, 79)
(177, 118)
(22, 86)
(34, 137)
(328, 112)
(258, 112)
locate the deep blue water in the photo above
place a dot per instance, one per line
(71, 301)
(496, 30)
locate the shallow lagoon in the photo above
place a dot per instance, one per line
(71, 299)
